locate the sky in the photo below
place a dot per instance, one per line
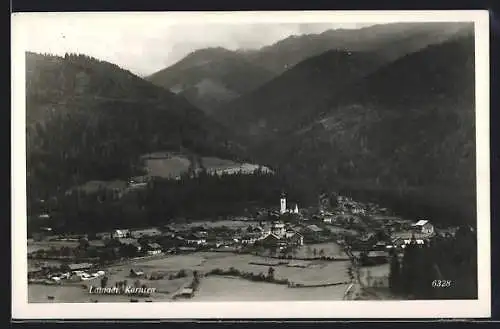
(145, 44)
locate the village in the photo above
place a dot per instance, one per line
(365, 233)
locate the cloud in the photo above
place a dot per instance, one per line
(144, 44)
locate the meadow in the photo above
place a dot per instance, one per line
(171, 165)
(212, 287)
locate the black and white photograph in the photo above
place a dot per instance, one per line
(326, 164)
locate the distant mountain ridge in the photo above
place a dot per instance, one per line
(390, 40)
(209, 78)
(88, 119)
(292, 97)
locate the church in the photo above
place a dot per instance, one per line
(283, 206)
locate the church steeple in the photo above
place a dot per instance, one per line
(283, 203)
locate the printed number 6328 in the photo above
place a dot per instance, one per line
(441, 283)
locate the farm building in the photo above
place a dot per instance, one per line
(402, 243)
(130, 242)
(290, 232)
(154, 249)
(195, 238)
(187, 292)
(250, 238)
(145, 232)
(80, 266)
(296, 240)
(312, 233)
(423, 226)
(120, 233)
(104, 235)
(272, 240)
(278, 229)
(136, 273)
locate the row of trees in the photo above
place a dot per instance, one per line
(197, 197)
(446, 268)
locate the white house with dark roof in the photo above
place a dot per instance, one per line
(120, 233)
(153, 249)
(423, 226)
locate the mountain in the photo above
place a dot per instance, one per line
(304, 89)
(90, 120)
(209, 77)
(390, 40)
(406, 129)
(297, 94)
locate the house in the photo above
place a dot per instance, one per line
(153, 249)
(328, 219)
(402, 243)
(380, 246)
(420, 242)
(312, 232)
(136, 273)
(220, 242)
(278, 229)
(296, 240)
(290, 232)
(272, 240)
(130, 242)
(145, 233)
(120, 233)
(249, 238)
(104, 235)
(195, 238)
(313, 228)
(77, 276)
(423, 226)
(138, 182)
(80, 266)
(374, 257)
(186, 292)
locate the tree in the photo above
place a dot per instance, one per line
(83, 243)
(65, 268)
(104, 282)
(395, 274)
(270, 274)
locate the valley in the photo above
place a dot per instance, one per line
(298, 170)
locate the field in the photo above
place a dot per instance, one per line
(211, 288)
(170, 165)
(46, 245)
(233, 224)
(212, 163)
(329, 250)
(341, 230)
(223, 289)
